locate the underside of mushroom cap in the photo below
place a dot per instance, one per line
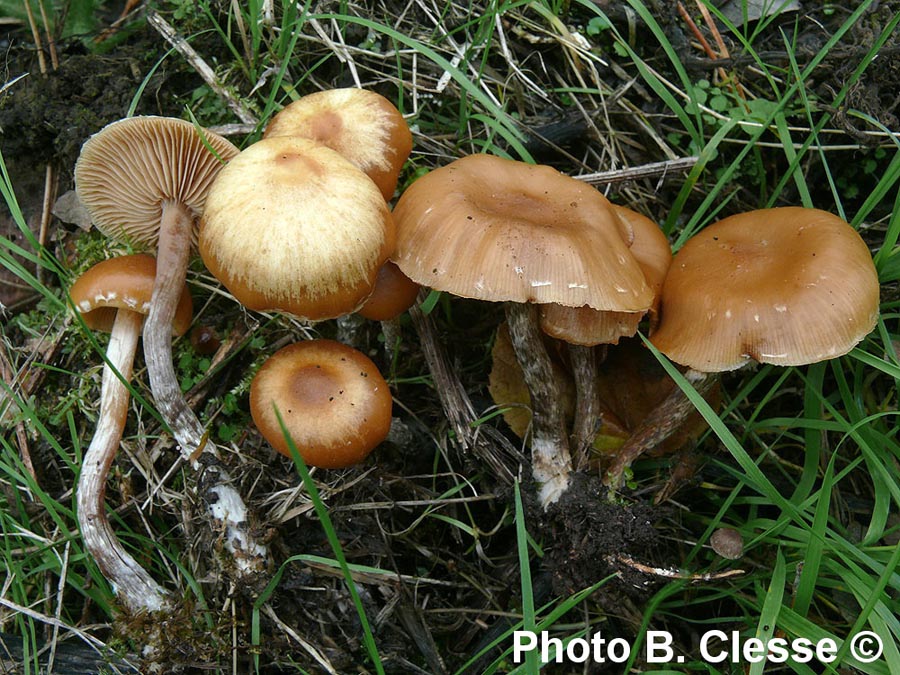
(292, 226)
(125, 282)
(128, 170)
(787, 286)
(495, 229)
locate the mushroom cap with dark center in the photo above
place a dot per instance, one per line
(130, 168)
(588, 327)
(787, 286)
(495, 229)
(332, 399)
(360, 125)
(125, 282)
(292, 226)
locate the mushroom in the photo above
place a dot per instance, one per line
(785, 286)
(360, 125)
(292, 226)
(393, 294)
(495, 229)
(114, 296)
(334, 403)
(145, 180)
(584, 327)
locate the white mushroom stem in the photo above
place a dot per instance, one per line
(658, 425)
(224, 504)
(551, 461)
(134, 587)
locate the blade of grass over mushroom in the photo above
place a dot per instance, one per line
(754, 476)
(334, 542)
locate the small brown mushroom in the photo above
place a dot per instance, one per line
(787, 286)
(333, 401)
(114, 296)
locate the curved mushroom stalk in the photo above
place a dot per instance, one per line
(665, 419)
(224, 504)
(551, 460)
(134, 587)
(145, 179)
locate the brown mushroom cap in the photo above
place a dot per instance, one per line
(394, 293)
(130, 168)
(362, 126)
(332, 399)
(291, 225)
(588, 327)
(125, 282)
(495, 229)
(787, 286)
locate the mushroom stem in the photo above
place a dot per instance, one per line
(134, 587)
(665, 419)
(587, 401)
(550, 457)
(225, 507)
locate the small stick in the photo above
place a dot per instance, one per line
(670, 573)
(36, 36)
(6, 373)
(638, 172)
(189, 53)
(51, 43)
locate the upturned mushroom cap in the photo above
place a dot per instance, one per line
(125, 282)
(495, 229)
(130, 168)
(332, 399)
(588, 327)
(362, 126)
(787, 286)
(290, 225)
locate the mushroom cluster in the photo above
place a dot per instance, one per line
(494, 229)
(318, 181)
(144, 180)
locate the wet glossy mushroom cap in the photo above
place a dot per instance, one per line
(332, 399)
(130, 168)
(292, 226)
(125, 282)
(362, 126)
(786, 286)
(495, 229)
(394, 293)
(588, 327)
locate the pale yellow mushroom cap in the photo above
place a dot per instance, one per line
(362, 126)
(292, 226)
(787, 286)
(495, 229)
(130, 168)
